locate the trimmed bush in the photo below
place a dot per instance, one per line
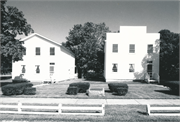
(121, 91)
(20, 81)
(173, 85)
(72, 90)
(30, 91)
(82, 86)
(113, 86)
(15, 89)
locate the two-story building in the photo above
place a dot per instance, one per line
(44, 60)
(131, 54)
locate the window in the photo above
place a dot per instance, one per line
(37, 69)
(115, 47)
(52, 51)
(37, 50)
(150, 48)
(131, 67)
(51, 69)
(131, 48)
(23, 69)
(114, 68)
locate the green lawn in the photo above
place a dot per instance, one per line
(113, 113)
(136, 90)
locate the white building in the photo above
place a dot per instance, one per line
(44, 60)
(131, 54)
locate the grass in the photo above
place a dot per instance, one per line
(136, 90)
(113, 113)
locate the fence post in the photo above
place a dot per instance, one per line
(19, 106)
(59, 108)
(148, 109)
(103, 109)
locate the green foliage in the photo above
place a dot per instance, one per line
(94, 76)
(121, 91)
(72, 90)
(15, 89)
(19, 80)
(173, 85)
(87, 43)
(30, 91)
(13, 23)
(114, 85)
(169, 55)
(82, 86)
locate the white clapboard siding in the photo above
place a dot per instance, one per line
(150, 108)
(59, 108)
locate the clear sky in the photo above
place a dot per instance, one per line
(54, 18)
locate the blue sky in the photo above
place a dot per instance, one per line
(54, 18)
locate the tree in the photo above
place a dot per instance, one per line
(169, 55)
(87, 43)
(13, 23)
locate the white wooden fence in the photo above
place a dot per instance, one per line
(59, 109)
(150, 108)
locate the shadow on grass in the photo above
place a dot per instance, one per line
(169, 92)
(143, 113)
(108, 91)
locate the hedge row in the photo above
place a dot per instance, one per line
(15, 89)
(119, 88)
(78, 87)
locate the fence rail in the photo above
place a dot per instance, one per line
(59, 109)
(170, 109)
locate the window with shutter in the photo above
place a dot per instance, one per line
(37, 69)
(37, 50)
(114, 68)
(132, 48)
(131, 67)
(115, 47)
(23, 69)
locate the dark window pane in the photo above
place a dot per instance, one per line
(150, 49)
(131, 68)
(37, 50)
(52, 51)
(37, 69)
(51, 68)
(23, 69)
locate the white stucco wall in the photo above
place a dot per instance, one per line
(130, 35)
(63, 61)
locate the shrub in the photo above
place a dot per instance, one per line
(15, 89)
(113, 86)
(173, 85)
(22, 80)
(30, 91)
(82, 86)
(94, 76)
(121, 91)
(72, 90)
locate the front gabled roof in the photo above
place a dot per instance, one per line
(38, 35)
